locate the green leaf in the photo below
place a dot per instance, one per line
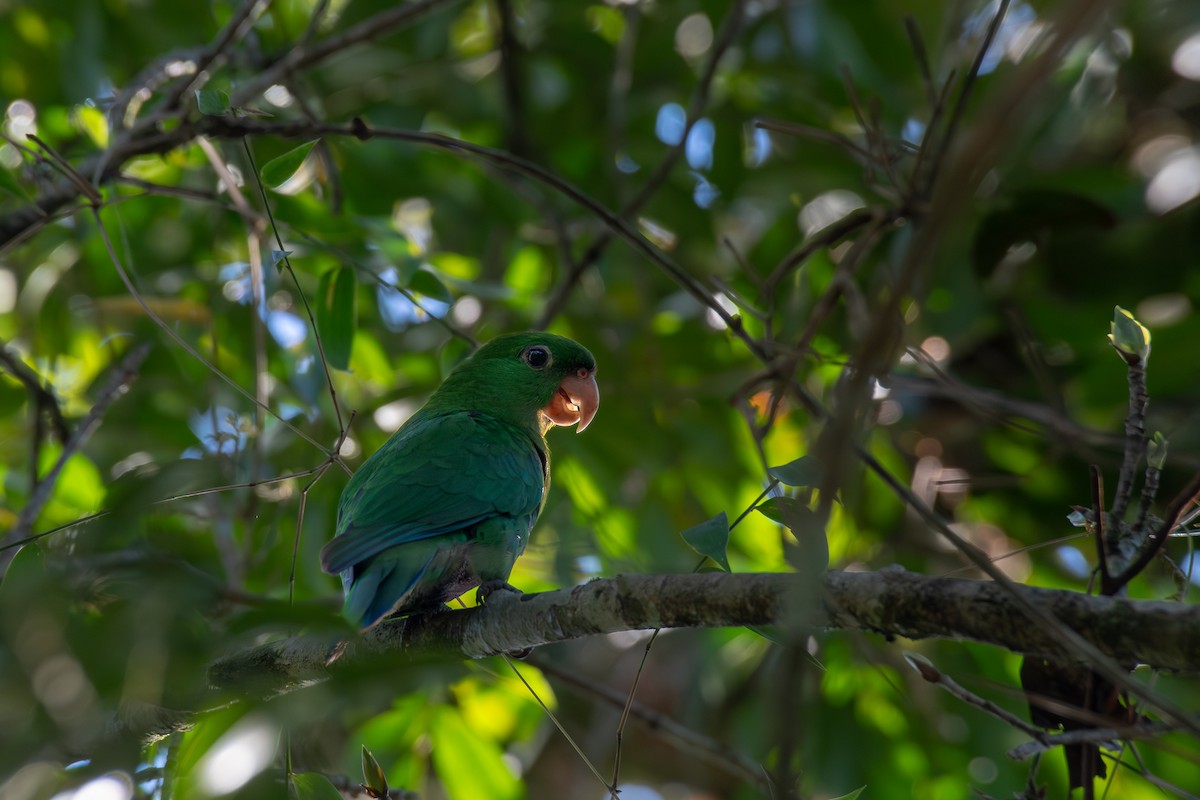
(93, 122)
(771, 633)
(314, 786)
(1156, 451)
(337, 315)
(374, 780)
(212, 102)
(425, 282)
(810, 554)
(608, 22)
(710, 538)
(25, 574)
(804, 471)
(277, 171)
(469, 764)
(9, 183)
(852, 795)
(1129, 337)
(783, 510)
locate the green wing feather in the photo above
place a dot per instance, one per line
(436, 475)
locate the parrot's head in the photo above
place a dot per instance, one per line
(533, 378)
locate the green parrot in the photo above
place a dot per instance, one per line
(448, 502)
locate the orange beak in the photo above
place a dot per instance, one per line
(576, 400)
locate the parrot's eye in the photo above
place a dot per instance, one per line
(536, 357)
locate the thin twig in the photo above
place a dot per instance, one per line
(960, 106)
(1048, 741)
(611, 787)
(64, 166)
(236, 28)
(1100, 534)
(1135, 446)
(1159, 536)
(932, 674)
(305, 54)
(318, 473)
(921, 56)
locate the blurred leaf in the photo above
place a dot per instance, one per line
(769, 632)
(213, 102)
(9, 183)
(25, 573)
(277, 171)
(12, 396)
(804, 471)
(94, 124)
(710, 538)
(337, 314)
(197, 743)
(608, 22)
(425, 282)
(810, 554)
(79, 488)
(314, 786)
(468, 765)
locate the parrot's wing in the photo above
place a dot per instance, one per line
(440, 474)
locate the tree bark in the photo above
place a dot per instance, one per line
(891, 602)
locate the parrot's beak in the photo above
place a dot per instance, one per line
(576, 400)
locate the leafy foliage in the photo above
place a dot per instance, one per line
(793, 234)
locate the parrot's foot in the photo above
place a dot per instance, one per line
(335, 651)
(488, 588)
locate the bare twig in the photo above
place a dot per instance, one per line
(1100, 534)
(960, 105)
(932, 674)
(1047, 741)
(307, 54)
(1158, 537)
(64, 166)
(236, 28)
(1135, 448)
(921, 55)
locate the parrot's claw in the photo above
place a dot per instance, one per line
(487, 588)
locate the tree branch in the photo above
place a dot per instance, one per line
(891, 602)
